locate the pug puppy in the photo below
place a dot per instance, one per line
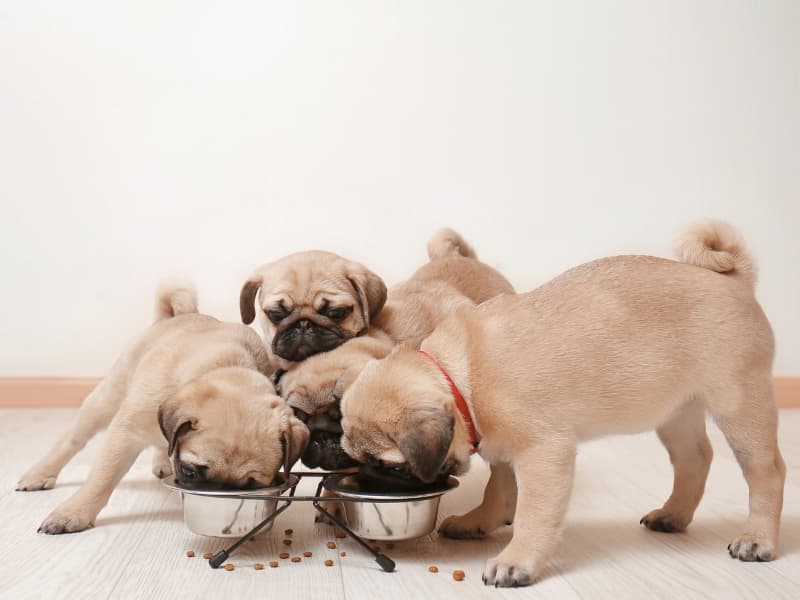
(310, 302)
(194, 388)
(619, 345)
(452, 277)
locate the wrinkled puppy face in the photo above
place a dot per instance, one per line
(228, 436)
(398, 420)
(311, 302)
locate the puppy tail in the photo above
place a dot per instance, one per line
(716, 245)
(175, 298)
(447, 242)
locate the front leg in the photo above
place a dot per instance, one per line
(497, 508)
(544, 475)
(118, 453)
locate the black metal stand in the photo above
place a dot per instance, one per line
(386, 563)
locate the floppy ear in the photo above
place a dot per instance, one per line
(370, 289)
(294, 440)
(247, 298)
(174, 422)
(425, 440)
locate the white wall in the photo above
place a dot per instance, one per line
(139, 140)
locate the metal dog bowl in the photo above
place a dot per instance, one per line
(393, 515)
(228, 513)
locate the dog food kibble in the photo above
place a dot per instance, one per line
(329, 563)
(273, 563)
(287, 542)
(296, 559)
(208, 555)
(433, 569)
(258, 566)
(342, 553)
(190, 553)
(458, 575)
(339, 534)
(289, 531)
(331, 545)
(229, 567)
(283, 555)
(307, 554)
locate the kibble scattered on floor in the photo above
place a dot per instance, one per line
(190, 553)
(458, 575)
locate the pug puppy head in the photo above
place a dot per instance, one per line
(399, 420)
(311, 302)
(225, 434)
(313, 389)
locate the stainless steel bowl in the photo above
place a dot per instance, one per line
(219, 513)
(399, 516)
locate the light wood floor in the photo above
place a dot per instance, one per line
(137, 549)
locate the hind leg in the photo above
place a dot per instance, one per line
(690, 453)
(748, 417)
(94, 415)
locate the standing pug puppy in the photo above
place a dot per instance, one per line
(452, 277)
(618, 345)
(194, 388)
(310, 302)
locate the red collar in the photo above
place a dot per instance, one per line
(474, 438)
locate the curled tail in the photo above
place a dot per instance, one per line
(447, 242)
(717, 246)
(175, 298)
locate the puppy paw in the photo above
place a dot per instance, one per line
(501, 573)
(750, 548)
(664, 521)
(162, 470)
(65, 522)
(31, 482)
(335, 508)
(461, 528)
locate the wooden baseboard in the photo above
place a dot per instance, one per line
(787, 390)
(69, 392)
(44, 392)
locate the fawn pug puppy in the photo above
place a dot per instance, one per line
(310, 302)
(452, 277)
(619, 345)
(194, 388)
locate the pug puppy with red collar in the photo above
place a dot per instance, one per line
(619, 345)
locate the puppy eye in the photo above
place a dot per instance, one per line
(340, 314)
(276, 315)
(188, 472)
(398, 468)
